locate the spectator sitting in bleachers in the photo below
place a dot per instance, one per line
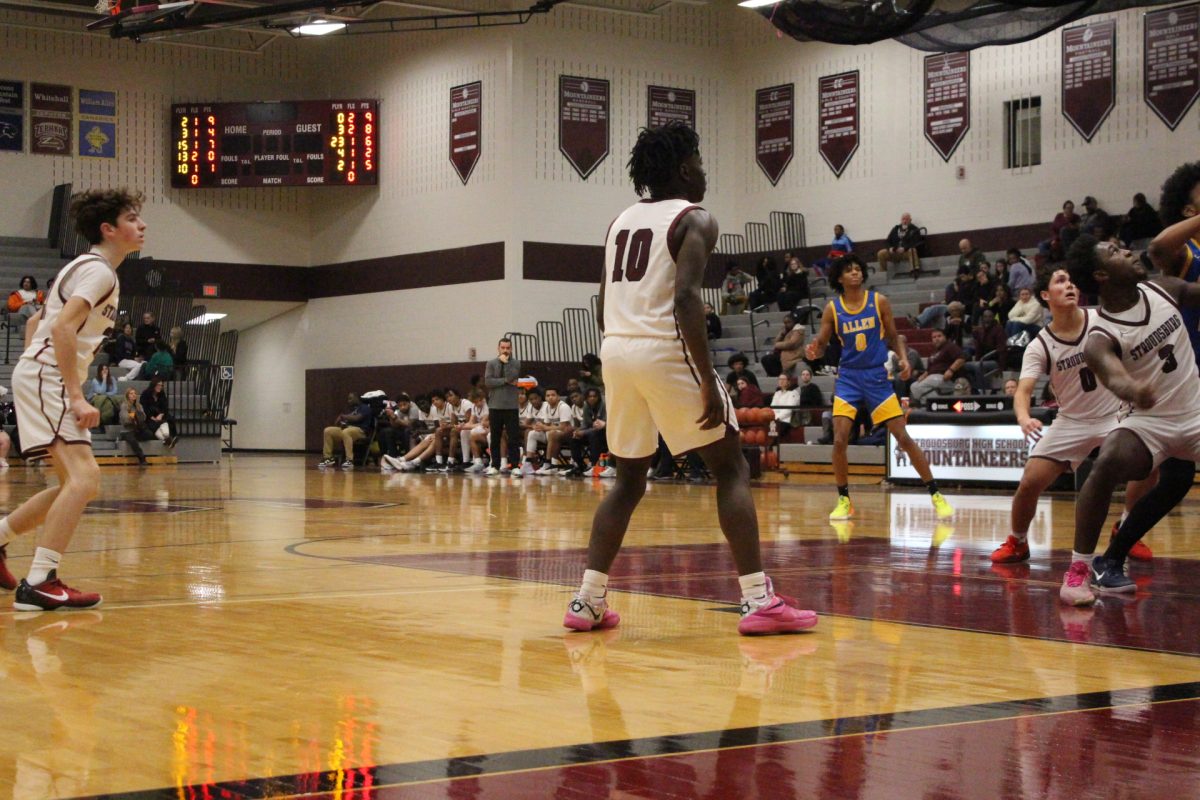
(902, 387)
(592, 372)
(1026, 315)
(551, 428)
(943, 367)
(748, 394)
(590, 434)
(1095, 219)
(903, 241)
(1002, 303)
(966, 289)
(178, 348)
(795, 285)
(988, 351)
(840, 246)
(26, 300)
(1063, 231)
(101, 391)
(956, 322)
(986, 290)
(713, 321)
(124, 347)
(770, 282)
(158, 415)
(161, 365)
(784, 402)
(1000, 272)
(738, 363)
(1020, 272)
(349, 427)
(1141, 223)
(134, 427)
(148, 334)
(1010, 387)
(734, 296)
(787, 350)
(810, 397)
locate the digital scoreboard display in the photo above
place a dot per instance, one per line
(300, 143)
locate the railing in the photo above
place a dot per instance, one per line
(199, 398)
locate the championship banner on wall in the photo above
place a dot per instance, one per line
(466, 128)
(97, 124)
(1171, 68)
(12, 116)
(947, 101)
(774, 129)
(837, 119)
(50, 118)
(988, 453)
(1089, 83)
(664, 104)
(583, 113)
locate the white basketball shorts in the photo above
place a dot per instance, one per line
(43, 413)
(651, 386)
(1166, 437)
(1070, 441)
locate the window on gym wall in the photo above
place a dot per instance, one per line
(1023, 132)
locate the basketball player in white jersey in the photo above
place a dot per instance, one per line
(1087, 411)
(47, 386)
(659, 377)
(1139, 349)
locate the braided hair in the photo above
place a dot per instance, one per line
(657, 154)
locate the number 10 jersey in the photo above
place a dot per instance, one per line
(639, 270)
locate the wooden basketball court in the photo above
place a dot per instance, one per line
(270, 630)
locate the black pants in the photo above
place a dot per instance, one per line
(394, 441)
(134, 439)
(505, 420)
(596, 443)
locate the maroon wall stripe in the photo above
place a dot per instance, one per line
(572, 263)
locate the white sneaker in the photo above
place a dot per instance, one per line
(3, 463)
(491, 472)
(545, 469)
(347, 464)
(390, 463)
(608, 472)
(477, 467)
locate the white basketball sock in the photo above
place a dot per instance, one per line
(754, 585)
(45, 560)
(6, 532)
(595, 584)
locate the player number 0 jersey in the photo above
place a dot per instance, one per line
(89, 276)
(1080, 395)
(639, 270)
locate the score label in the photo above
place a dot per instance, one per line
(300, 143)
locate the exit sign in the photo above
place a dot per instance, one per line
(210, 290)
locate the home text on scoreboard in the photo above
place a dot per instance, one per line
(294, 143)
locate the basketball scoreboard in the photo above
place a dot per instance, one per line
(298, 143)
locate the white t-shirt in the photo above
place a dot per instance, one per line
(1079, 394)
(463, 412)
(91, 278)
(479, 411)
(785, 397)
(436, 417)
(560, 413)
(639, 291)
(528, 413)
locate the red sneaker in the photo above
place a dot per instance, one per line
(7, 581)
(51, 594)
(1012, 551)
(1139, 552)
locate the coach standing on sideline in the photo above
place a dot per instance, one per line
(500, 378)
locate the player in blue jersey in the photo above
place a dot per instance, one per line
(1176, 251)
(861, 318)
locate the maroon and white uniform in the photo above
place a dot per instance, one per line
(650, 380)
(1152, 341)
(1087, 411)
(43, 410)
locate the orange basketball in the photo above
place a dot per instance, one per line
(768, 414)
(741, 415)
(760, 437)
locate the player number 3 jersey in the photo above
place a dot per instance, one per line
(639, 270)
(91, 278)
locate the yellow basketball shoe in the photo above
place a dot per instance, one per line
(944, 510)
(843, 509)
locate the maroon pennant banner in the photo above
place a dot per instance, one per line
(837, 119)
(51, 117)
(583, 113)
(466, 128)
(774, 129)
(947, 101)
(664, 104)
(1089, 84)
(1171, 56)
